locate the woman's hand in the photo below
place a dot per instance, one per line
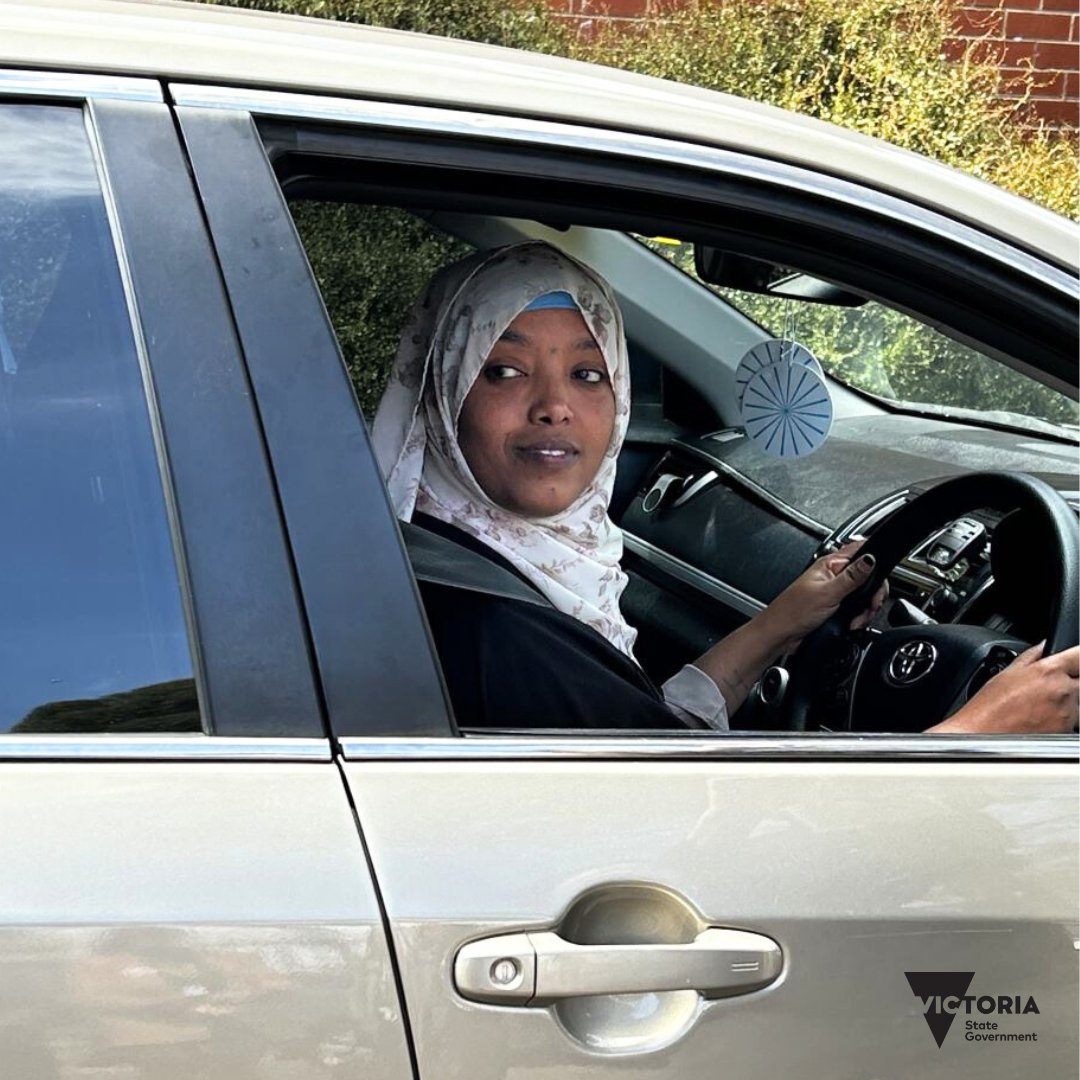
(815, 596)
(739, 659)
(1034, 694)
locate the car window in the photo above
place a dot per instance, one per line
(371, 263)
(680, 593)
(891, 355)
(93, 635)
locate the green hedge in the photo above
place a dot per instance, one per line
(877, 66)
(874, 65)
(372, 263)
(519, 24)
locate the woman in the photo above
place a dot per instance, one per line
(500, 428)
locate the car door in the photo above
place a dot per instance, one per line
(184, 889)
(586, 904)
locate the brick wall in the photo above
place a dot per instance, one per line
(587, 13)
(1032, 40)
(1027, 39)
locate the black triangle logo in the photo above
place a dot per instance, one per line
(933, 985)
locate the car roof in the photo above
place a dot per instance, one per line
(176, 39)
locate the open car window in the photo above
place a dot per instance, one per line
(714, 527)
(372, 263)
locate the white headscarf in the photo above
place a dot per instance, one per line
(572, 557)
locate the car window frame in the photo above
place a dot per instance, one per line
(228, 539)
(377, 676)
(243, 110)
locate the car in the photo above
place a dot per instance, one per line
(246, 837)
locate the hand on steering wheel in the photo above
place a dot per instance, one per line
(817, 593)
(1034, 694)
(909, 678)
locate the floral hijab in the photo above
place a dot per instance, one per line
(571, 557)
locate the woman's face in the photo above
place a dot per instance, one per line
(536, 423)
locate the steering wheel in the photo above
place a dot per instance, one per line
(909, 678)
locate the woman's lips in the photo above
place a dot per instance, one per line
(550, 455)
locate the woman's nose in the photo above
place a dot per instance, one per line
(550, 406)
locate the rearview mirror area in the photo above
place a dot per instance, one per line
(733, 271)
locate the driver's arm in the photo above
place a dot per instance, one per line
(737, 662)
(1033, 694)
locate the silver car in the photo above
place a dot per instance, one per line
(246, 837)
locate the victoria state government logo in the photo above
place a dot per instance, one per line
(945, 995)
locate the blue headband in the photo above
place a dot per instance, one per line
(557, 300)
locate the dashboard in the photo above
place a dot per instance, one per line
(712, 535)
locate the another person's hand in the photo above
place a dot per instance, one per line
(1034, 694)
(815, 595)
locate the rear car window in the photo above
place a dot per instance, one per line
(93, 636)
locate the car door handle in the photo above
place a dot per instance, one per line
(539, 968)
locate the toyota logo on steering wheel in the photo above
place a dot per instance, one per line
(911, 662)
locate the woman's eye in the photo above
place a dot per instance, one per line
(591, 375)
(498, 372)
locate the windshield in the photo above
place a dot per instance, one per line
(894, 357)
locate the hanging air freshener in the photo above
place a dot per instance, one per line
(783, 397)
(786, 409)
(767, 353)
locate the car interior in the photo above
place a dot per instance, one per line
(715, 527)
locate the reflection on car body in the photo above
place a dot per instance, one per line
(248, 837)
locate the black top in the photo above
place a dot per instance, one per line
(509, 663)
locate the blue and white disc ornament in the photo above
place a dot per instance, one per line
(786, 409)
(767, 353)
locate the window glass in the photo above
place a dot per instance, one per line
(893, 356)
(371, 263)
(92, 631)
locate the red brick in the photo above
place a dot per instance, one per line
(1015, 82)
(1049, 84)
(1057, 113)
(977, 50)
(1017, 53)
(982, 3)
(1056, 55)
(954, 49)
(978, 22)
(1074, 30)
(1036, 26)
(1058, 5)
(1072, 84)
(632, 9)
(586, 28)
